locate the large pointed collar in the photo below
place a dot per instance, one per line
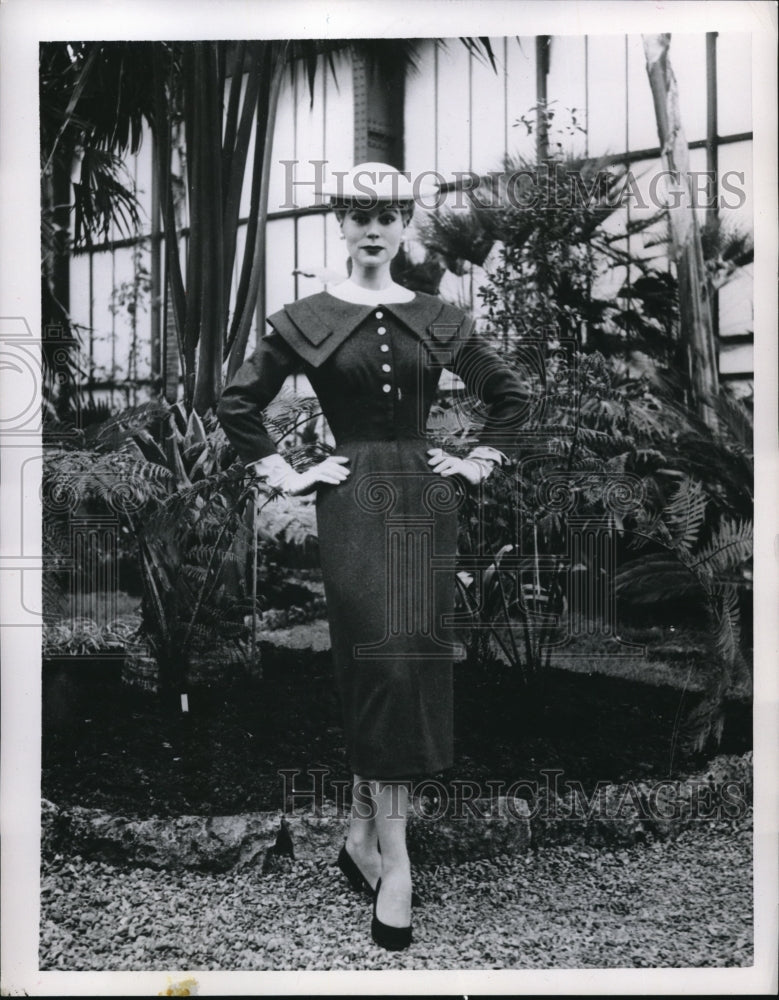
(319, 315)
(321, 322)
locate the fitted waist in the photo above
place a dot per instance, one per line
(374, 436)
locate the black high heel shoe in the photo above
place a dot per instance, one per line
(391, 938)
(356, 878)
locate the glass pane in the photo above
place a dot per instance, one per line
(734, 83)
(279, 264)
(453, 139)
(521, 95)
(565, 92)
(688, 60)
(419, 127)
(606, 117)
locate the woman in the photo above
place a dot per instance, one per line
(386, 511)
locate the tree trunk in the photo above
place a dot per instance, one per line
(266, 122)
(694, 293)
(216, 155)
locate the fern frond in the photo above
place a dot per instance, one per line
(657, 578)
(197, 574)
(288, 519)
(650, 455)
(685, 512)
(727, 635)
(706, 722)
(110, 434)
(730, 548)
(288, 410)
(736, 420)
(199, 555)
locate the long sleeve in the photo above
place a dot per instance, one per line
(255, 385)
(501, 388)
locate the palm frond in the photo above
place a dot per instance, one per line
(481, 48)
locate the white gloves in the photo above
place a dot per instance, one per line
(474, 468)
(279, 474)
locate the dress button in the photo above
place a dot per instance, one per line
(386, 368)
(384, 347)
(387, 387)
(381, 331)
(380, 315)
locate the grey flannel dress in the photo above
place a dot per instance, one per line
(388, 534)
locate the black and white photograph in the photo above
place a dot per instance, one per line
(389, 469)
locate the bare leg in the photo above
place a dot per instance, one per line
(393, 906)
(362, 841)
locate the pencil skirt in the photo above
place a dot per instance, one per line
(387, 541)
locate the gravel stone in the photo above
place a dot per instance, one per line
(682, 902)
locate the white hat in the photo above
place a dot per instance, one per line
(373, 182)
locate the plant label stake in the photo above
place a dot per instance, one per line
(184, 702)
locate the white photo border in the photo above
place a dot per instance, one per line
(23, 23)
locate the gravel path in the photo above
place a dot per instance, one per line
(686, 902)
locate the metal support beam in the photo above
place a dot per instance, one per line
(378, 114)
(543, 46)
(712, 153)
(155, 267)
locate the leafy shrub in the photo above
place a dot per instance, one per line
(84, 637)
(612, 447)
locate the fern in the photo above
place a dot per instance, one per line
(736, 421)
(288, 519)
(727, 637)
(657, 578)
(112, 433)
(684, 514)
(730, 549)
(289, 410)
(706, 721)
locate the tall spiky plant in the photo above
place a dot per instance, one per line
(187, 510)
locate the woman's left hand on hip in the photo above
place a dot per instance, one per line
(450, 465)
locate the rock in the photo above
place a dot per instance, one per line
(439, 829)
(485, 829)
(621, 815)
(221, 843)
(310, 637)
(309, 836)
(210, 843)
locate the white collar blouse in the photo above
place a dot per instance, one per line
(349, 291)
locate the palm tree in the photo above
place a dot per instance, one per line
(85, 131)
(697, 331)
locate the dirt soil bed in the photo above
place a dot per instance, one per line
(108, 746)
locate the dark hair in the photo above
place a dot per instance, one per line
(342, 206)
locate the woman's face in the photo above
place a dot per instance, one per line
(373, 235)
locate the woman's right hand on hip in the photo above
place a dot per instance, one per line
(279, 474)
(332, 471)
